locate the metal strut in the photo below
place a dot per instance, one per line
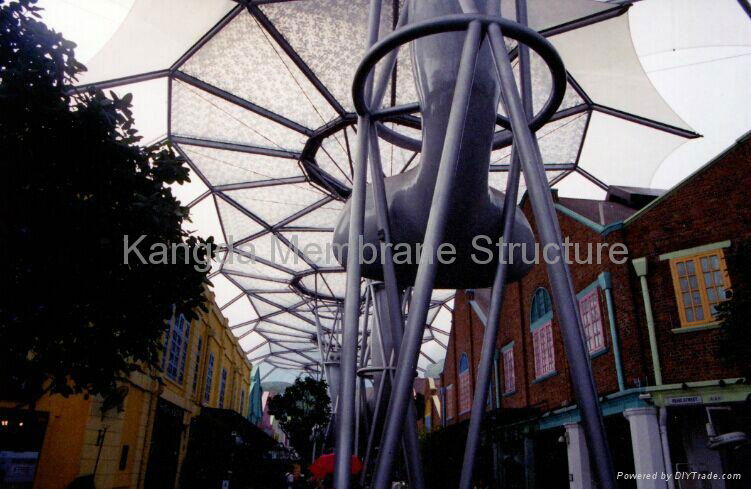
(564, 295)
(527, 156)
(346, 412)
(407, 363)
(482, 383)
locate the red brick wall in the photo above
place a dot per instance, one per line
(711, 207)
(555, 391)
(695, 214)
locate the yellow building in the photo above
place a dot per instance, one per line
(138, 437)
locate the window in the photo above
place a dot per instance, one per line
(178, 349)
(465, 391)
(509, 377)
(589, 308)
(541, 305)
(165, 346)
(700, 282)
(542, 339)
(209, 378)
(542, 333)
(197, 364)
(184, 351)
(222, 385)
(450, 402)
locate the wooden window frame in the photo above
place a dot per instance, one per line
(211, 360)
(709, 318)
(593, 297)
(177, 351)
(538, 344)
(223, 376)
(509, 364)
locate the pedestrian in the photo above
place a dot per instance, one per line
(294, 478)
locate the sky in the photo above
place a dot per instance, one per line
(697, 54)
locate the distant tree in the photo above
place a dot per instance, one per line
(303, 410)
(74, 317)
(734, 313)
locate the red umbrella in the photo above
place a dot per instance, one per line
(324, 465)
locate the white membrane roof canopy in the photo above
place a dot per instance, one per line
(257, 97)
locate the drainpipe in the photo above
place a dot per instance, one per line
(666, 446)
(606, 283)
(640, 265)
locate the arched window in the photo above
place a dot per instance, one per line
(541, 305)
(542, 333)
(463, 363)
(465, 390)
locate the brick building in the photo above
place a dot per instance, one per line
(651, 334)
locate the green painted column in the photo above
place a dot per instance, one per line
(640, 265)
(606, 283)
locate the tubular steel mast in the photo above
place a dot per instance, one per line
(458, 135)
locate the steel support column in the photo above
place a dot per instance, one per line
(564, 295)
(439, 211)
(360, 385)
(346, 411)
(394, 320)
(496, 301)
(345, 415)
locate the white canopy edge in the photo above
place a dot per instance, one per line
(153, 36)
(604, 62)
(618, 152)
(715, 23)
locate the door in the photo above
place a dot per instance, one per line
(164, 453)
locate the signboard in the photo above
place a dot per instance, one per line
(683, 400)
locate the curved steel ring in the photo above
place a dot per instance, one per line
(460, 22)
(501, 139)
(297, 285)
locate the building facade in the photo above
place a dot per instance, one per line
(138, 437)
(672, 404)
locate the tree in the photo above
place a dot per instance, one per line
(734, 313)
(303, 411)
(74, 316)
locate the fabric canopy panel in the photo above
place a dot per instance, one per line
(154, 35)
(603, 61)
(274, 82)
(329, 36)
(149, 108)
(630, 158)
(261, 108)
(722, 21)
